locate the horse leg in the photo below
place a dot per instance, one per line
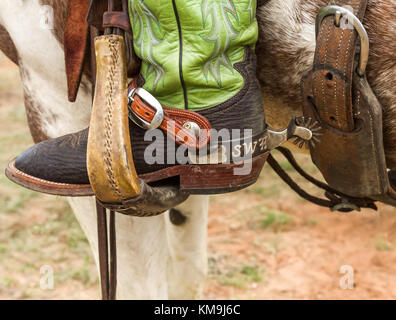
(187, 265)
(142, 252)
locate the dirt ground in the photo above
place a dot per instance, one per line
(264, 242)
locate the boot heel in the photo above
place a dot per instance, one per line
(220, 178)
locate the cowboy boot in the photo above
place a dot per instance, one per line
(198, 73)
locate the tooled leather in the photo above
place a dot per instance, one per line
(173, 122)
(333, 70)
(350, 153)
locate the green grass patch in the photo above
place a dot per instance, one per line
(82, 274)
(275, 220)
(253, 272)
(242, 277)
(75, 239)
(14, 203)
(311, 222)
(265, 192)
(7, 282)
(382, 245)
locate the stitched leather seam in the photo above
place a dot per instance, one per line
(335, 82)
(108, 120)
(345, 67)
(325, 62)
(70, 185)
(358, 103)
(181, 132)
(373, 148)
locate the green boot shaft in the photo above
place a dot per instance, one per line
(188, 48)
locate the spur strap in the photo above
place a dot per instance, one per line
(177, 123)
(334, 66)
(336, 94)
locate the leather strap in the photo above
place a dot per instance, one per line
(80, 15)
(95, 14)
(350, 151)
(333, 70)
(102, 250)
(76, 40)
(336, 201)
(107, 249)
(173, 122)
(117, 20)
(107, 259)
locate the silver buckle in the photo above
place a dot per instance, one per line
(153, 102)
(340, 12)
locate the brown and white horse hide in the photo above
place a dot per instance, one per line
(155, 258)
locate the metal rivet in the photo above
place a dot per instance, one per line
(193, 127)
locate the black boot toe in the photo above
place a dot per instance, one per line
(61, 160)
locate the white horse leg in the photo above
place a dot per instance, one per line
(142, 252)
(187, 244)
(146, 267)
(149, 265)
